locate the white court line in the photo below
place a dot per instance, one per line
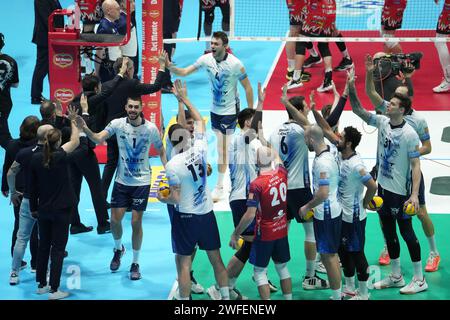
(173, 290)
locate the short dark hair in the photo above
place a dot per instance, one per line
(297, 102)
(90, 82)
(135, 98)
(245, 115)
(172, 129)
(187, 115)
(405, 102)
(47, 109)
(118, 63)
(28, 128)
(221, 35)
(352, 135)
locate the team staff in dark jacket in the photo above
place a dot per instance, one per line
(42, 10)
(128, 87)
(51, 200)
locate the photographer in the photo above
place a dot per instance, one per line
(393, 71)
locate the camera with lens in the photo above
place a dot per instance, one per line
(394, 63)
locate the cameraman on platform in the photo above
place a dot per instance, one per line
(393, 71)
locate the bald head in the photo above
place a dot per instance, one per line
(313, 137)
(111, 9)
(42, 132)
(265, 156)
(317, 133)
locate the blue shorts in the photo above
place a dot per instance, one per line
(170, 209)
(392, 204)
(135, 197)
(262, 251)
(353, 235)
(328, 235)
(188, 230)
(225, 124)
(297, 198)
(238, 208)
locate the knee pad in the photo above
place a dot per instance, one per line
(282, 270)
(260, 275)
(309, 232)
(244, 252)
(300, 48)
(324, 49)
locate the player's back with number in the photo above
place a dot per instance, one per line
(188, 169)
(269, 190)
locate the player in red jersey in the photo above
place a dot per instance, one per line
(443, 30)
(391, 20)
(267, 202)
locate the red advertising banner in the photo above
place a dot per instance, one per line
(152, 35)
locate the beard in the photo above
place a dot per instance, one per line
(340, 148)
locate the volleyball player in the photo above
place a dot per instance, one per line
(208, 7)
(399, 167)
(193, 220)
(267, 204)
(224, 72)
(134, 136)
(443, 30)
(420, 126)
(288, 140)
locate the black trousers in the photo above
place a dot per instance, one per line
(33, 238)
(53, 236)
(40, 72)
(112, 152)
(84, 163)
(5, 134)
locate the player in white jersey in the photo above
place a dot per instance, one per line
(398, 157)
(193, 221)
(327, 210)
(288, 140)
(224, 72)
(419, 124)
(134, 136)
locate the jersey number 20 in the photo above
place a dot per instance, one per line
(280, 191)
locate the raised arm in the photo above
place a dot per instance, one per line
(354, 100)
(371, 92)
(74, 141)
(180, 91)
(327, 130)
(93, 136)
(182, 72)
(297, 115)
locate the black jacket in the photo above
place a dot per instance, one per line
(42, 10)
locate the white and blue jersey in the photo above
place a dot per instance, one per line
(288, 139)
(242, 165)
(223, 77)
(415, 120)
(169, 147)
(351, 188)
(326, 163)
(396, 146)
(188, 170)
(134, 143)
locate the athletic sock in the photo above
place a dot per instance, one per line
(291, 64)
(220, 180)
(136, 256)
(432, 244)
(297, 75)
(362, 288)
(396, 269)
(118, 244)
(310, 268)
(232, 283)
(350, 283)
(288, 296)
(225, 293)
(418, 274)
(336, 294)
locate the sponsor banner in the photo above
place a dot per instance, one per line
(158, 174)
(64, 95)
(63, 60)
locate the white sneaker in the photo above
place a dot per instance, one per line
(390, 282)
(359, 296)
(320, 268)
(235, 294)
(415, 286)
(293, 84)
(197, 288)
(218, 194)
(443, 87)
(315, 283)
(57, 295)
(13, 278)
(43, 290)
(214, 293)
(348, 291)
